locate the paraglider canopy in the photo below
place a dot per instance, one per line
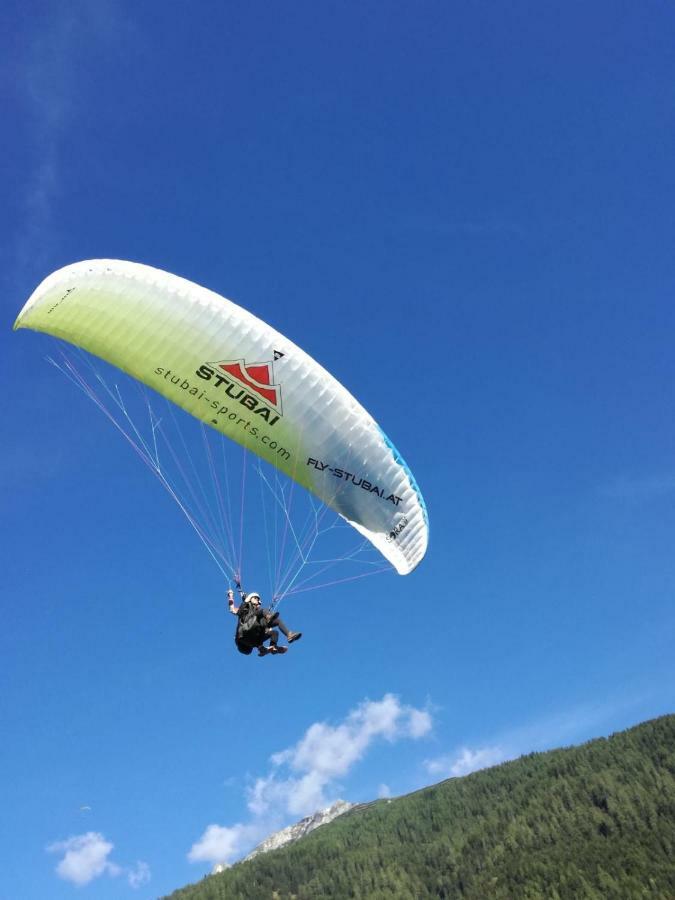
(243, 378)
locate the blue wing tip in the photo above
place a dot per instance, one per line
(399, 459)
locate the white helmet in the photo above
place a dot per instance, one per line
(254, 595)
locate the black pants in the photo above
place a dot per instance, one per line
(273, 623)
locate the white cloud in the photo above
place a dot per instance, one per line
(327, 752)
(139, 876)
(331, 750)
(85, 858)
(307, 794)
(464, 761)
(419, 723)
(304, 776)
(221, 844)
(384, 792)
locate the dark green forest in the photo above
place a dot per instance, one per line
(594, 821)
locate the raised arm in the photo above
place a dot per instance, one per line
(230, 603)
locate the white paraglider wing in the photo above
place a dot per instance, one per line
(242, 377)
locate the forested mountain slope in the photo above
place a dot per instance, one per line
(594, 821)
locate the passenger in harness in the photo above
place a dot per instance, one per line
(257, 626)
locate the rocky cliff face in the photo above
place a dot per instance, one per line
(294, 832)
(301, 828)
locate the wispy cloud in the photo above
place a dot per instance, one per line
(85, 857)
(139, 875)
(464, 761)
(53, 92)
(45, 81)
(571, 726)
(302, 778)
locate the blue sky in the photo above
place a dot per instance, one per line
(465, 212)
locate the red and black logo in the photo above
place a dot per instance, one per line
(251, 384)
(258, 378)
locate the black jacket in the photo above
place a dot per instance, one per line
(251, 627)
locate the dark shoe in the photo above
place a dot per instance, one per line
(278, 649)
(263, 651)
(293, 636)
